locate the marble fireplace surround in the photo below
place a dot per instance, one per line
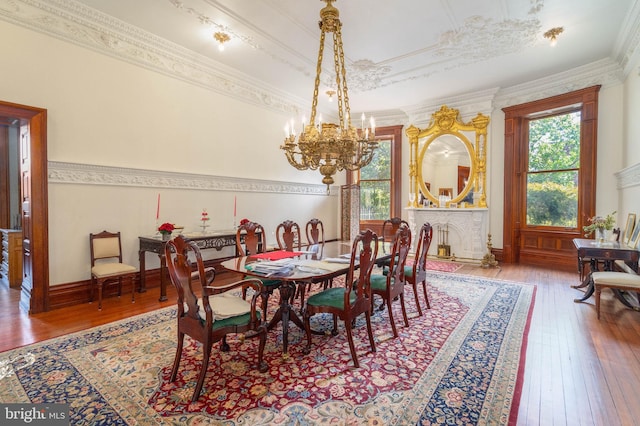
(468, 229)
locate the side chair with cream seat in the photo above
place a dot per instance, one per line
(617, 281)
(209, 313)
(107, 265)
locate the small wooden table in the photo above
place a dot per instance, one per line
(314, 269)
(154, 244)
(608, 252)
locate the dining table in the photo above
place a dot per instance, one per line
(314, 263)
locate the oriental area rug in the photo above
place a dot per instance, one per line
(460, 363)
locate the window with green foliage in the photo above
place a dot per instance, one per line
(553, 170)
(375, 184)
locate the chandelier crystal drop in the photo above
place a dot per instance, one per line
(331, 147)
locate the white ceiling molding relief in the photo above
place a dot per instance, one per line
(91, 29)
(604, 72)
(89, 174)
(427, 51)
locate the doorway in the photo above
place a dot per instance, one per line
(32, 198)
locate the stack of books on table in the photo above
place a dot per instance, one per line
(276, 268)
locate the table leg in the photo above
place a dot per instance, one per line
(585, 280)
(590, 288)
(285, 313)
(627, 299)
(163, 281)
(143, 271)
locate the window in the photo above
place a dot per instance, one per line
(553, 170)
(550, 161)
(380, 181)
(375, 184)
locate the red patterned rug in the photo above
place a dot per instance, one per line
(440, 265)
(459, 363)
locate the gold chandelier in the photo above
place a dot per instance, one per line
(331, 147)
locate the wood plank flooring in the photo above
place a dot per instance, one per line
(579, 371)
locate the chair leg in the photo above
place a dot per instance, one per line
(404, 310)
(426, 298)
(415, 294)
(354, 355)
(206, 349)
(393, 323)
(262, 365)
(598, 291)
(100, 285)
(176, 360)
(370, 331)
(92, 289)
(307, 329)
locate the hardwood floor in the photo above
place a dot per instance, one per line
(579, 371)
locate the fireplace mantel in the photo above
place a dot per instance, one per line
(468, 229)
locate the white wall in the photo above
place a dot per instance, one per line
(629, 175)
(103, 111)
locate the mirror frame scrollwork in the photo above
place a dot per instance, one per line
(446, 121)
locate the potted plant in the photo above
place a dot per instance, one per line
(599, 225)
(166, 229)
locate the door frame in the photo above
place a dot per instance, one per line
(34, 296)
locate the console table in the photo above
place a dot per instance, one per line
(608, 252)
(154, 244)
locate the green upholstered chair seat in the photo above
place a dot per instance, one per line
(333, 297)
(265, 282)
(379, 282)
(408, 271)
(234, 321)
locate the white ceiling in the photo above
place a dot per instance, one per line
(399, 53)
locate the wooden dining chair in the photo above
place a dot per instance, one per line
(390, 286)
(215, 314)
(315, 231)
(350, 301)
(251, 238)
(288, 236)
(389, 229)
(107, 266)
(417, 273)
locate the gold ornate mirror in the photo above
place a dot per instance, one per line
(449, 158)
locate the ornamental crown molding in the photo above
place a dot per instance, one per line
(604, 72)
(85, 27)
(89, 174)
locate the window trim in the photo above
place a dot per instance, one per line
(394, 133)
